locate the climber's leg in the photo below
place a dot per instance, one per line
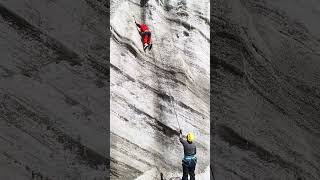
(149, 37)
(192, 169)
(185, 172)
(145, 38)
(145, 41)
(192, 175)
(149, 41)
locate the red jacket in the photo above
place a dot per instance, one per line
(143, 27)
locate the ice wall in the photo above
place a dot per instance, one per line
(53, 81)
(149, 89)
(265, 89)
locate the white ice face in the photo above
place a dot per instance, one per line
(154, 93)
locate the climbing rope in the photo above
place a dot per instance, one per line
(169, 91)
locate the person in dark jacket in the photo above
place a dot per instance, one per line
(146, 35)
(189, 160)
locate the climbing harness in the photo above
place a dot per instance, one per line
(189, 157)
(189, 161)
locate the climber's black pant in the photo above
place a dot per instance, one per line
(146, 37)
(188, 171)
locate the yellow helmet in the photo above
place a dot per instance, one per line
(190, 137)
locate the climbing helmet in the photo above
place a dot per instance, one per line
(190, 137)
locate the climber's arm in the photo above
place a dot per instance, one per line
(181, 137)
(137, 24)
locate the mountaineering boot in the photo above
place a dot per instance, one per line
(150, 46)
(145, 47)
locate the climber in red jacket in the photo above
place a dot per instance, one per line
(146, 35)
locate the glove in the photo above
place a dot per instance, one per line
(180, 131)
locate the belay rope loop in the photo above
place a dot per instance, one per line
(169, 91)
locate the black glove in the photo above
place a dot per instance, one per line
(180, 131)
